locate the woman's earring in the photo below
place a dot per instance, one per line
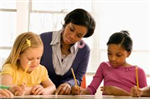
(81, 42)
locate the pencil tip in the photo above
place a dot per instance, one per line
(29, 62)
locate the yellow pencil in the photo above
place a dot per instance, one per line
(74, 76)
(23, 77)
(137, 80)
(24, 73)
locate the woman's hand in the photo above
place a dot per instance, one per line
(63, 89)
(37, 90)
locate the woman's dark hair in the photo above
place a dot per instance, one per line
(123, 38)
(81, 17)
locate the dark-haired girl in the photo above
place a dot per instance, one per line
(119, 76)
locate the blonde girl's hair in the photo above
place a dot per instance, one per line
(23, 41)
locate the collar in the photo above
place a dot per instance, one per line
(56, 37)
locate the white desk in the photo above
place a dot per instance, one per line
(77, 97)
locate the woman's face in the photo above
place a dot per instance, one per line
(73, 33)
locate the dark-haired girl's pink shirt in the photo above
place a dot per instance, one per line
(122, 77)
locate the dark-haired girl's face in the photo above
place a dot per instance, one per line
(117, 55)
(73, 33)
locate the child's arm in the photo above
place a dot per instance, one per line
(47, 88)
(116, 91)
(7, 79)
(5, 93)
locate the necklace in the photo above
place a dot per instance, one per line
(64, 52)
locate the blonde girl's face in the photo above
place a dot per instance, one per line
(32, 55)
(73, 33)
(117, 55)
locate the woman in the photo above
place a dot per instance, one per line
(65, 49)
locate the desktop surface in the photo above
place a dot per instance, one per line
(76, 97)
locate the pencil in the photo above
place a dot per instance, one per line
(24, 73)
(23, 76)
(74, 76)
(137, 80)
(4, 87)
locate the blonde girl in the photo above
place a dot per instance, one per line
(22, 67)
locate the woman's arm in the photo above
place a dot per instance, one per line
(79, 66)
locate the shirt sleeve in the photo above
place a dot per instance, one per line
(97, 79)
(81, 68)
(44, 74)
(8, 69)
(142, 78)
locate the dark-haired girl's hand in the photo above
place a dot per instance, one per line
(135, 92)
(116, 91)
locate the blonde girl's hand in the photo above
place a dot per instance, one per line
(37, 90)
(4, 93)
(22, 90)
(18, 90)
(135, 92)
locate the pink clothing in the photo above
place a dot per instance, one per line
(122, 77)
